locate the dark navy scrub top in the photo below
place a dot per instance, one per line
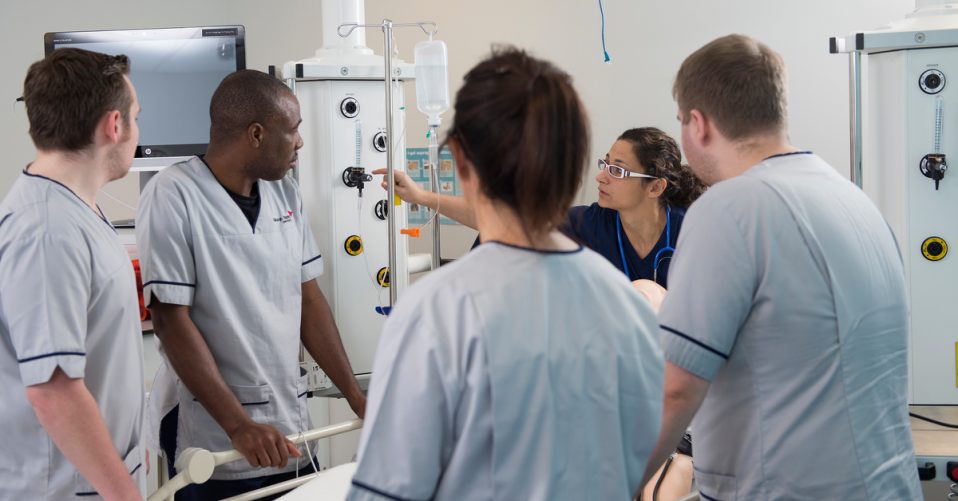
(595, 227)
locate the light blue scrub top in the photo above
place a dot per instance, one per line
(244, 289)
(67, 300)
(513, 374)
(787, 293)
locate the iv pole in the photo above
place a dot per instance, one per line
(387, 27)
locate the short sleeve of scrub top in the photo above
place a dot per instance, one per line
(312, 258)
(165, 240)
(711, 288)
(396, 425)
(46, 311)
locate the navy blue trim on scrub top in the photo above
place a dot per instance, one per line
(655, 260)
(530, 249)
(98, 211)
(787, 154)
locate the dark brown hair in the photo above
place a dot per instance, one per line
(242, 98)
(739, 83)
(661, 157)
(520, 123)
(67, 93)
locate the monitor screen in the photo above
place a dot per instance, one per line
(175, 71)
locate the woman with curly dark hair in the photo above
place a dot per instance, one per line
(644, 189)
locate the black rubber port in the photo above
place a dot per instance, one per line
(935, 249)
(349, 107)
(381, 210)
(926, 472)
(931, 81)
(379, 141)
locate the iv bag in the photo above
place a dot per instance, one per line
(432, 79)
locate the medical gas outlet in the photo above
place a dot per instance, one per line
(353, 245)
(349, 107)
(931, 81)
(383, 277)
(381, 210)
(356, 177)
(379, 141)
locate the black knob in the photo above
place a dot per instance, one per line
(932, 81)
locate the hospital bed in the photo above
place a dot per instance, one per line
(195, 466)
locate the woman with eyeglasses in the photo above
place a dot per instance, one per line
(644, 190)
(491, 380)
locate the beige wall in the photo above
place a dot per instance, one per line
(647, 41)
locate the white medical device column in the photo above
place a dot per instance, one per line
(908, 103)
(336, 12)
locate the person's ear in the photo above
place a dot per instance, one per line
(111, 125)
(701, 128)
(657, 187)
(254, 134)
(463, 166)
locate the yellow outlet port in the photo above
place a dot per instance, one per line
(383, 277)
(353, 245)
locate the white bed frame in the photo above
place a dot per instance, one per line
(195, 465)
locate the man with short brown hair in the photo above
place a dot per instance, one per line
(784, 328)
(71, 355)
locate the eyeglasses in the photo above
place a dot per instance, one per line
(620, 172)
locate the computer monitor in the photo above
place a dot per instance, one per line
(175, 71)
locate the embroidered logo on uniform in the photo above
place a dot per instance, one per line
(285, 218)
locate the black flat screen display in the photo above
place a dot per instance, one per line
(174, 71)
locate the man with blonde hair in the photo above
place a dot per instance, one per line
(785, 324)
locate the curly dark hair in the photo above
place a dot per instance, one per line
(661, 157)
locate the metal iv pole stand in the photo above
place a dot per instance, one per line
(387, 27)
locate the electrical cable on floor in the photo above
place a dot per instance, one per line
(933, 421)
